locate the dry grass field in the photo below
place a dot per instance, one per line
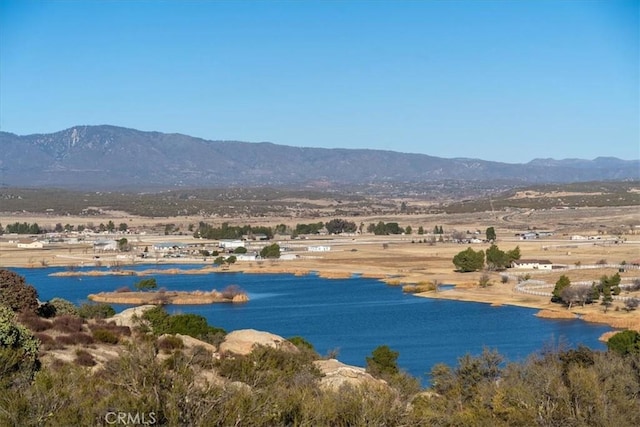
(402, 259)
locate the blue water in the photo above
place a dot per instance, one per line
(352, 316)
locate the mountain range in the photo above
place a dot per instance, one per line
(110, 157)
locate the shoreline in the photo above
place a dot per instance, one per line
(464, 292)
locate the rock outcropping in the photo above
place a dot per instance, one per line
(241, 342)
(337, 375)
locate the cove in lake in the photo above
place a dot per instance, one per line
(353, 316)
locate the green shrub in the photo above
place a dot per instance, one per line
(105, 336)
(96, 311)
(62, 307)
(18, 350)
(193, 325)
(301, 343)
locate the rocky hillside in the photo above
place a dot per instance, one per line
(109, 157)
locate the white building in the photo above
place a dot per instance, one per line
(105, 245)
(532, 264)
(30, 244)
(231, 244)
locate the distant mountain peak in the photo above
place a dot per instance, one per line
(108, 157)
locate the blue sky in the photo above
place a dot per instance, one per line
(496, 80)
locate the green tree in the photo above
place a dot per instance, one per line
(496, 259)
(123, 226)
(123, 245)
(16, 294)
(382, 361)
(408, 230)
(309, 228)
(514, 254)
(469, 260)
(240, 250)
(562, 283)
(111, 226)
(337, 226)
(421, 230)
(146, 284)
(271, 251)
(625, 342)
(491, 234)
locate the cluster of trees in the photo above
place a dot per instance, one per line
(220, 260)
(226, 231)
(25, 228)
(383, 229)
(565, 292)
(313, 228)
(337, 226)
(22, 228)
(496, 259)
(270, 251)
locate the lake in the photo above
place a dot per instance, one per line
(352, 316)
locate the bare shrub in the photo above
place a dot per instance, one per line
(631, 304)
(231, 291)
(84, 358)
(484, 280)
(34, 322)
(504, 279)
(169, 343)
(74, 338)
(122, 290)
(202, 357)
(46, 341)
(111, 327)
(68, 323)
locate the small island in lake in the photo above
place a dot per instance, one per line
(169, 297)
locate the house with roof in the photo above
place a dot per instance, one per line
(106, 245)
(30, 244)
(532, 264)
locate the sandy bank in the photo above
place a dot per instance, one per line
(166, 297)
